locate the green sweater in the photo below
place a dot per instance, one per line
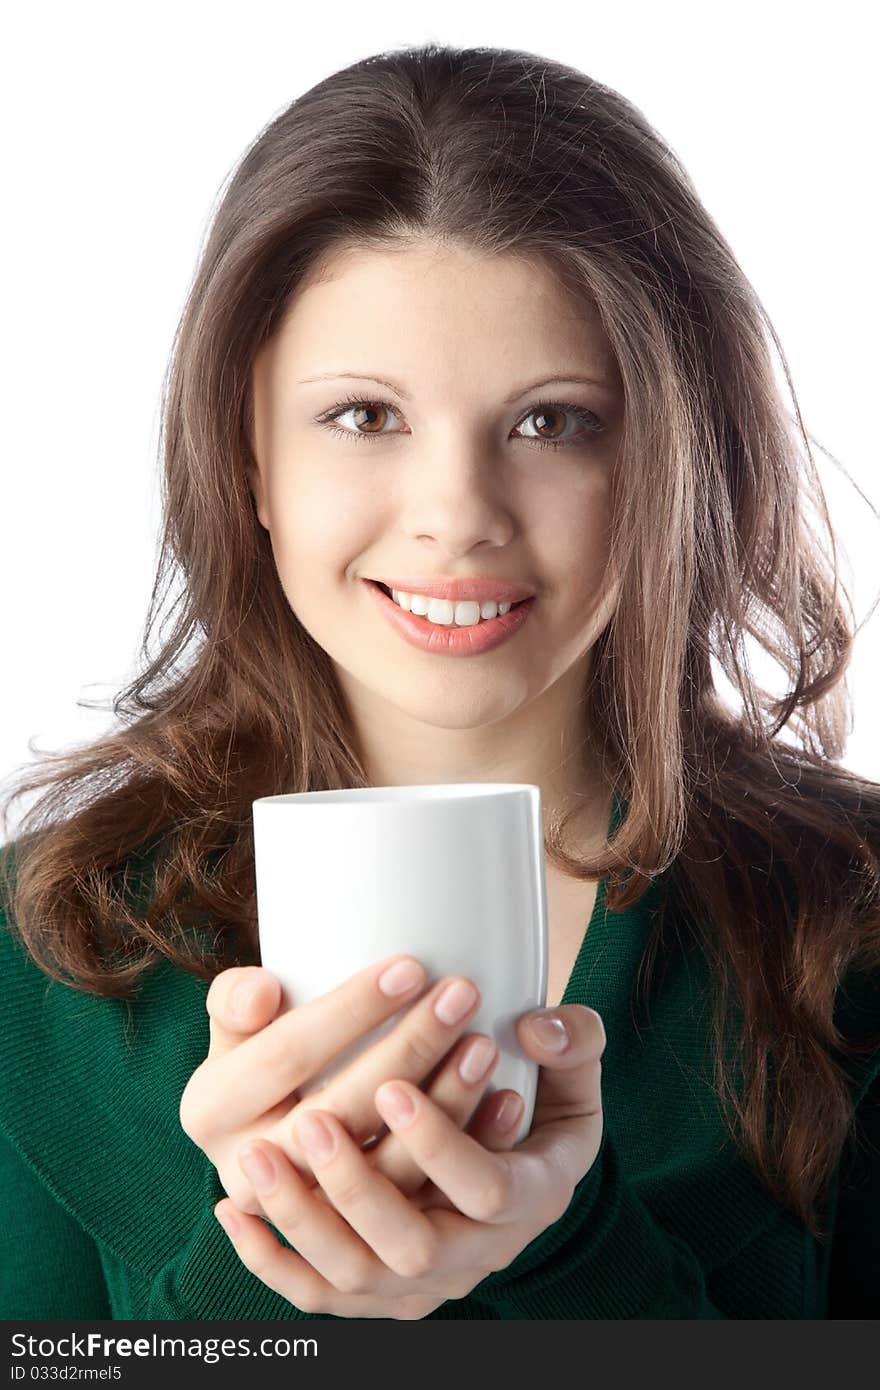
(108, 1205)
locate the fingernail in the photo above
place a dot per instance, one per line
(258, 1166)
(315, 1137)
(549, 1030)
(476, 1060)
(509, 1112)
(242, 997)
(395, 1105)
(403, 975)
(455, 1002)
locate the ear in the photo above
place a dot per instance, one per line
(255, 483)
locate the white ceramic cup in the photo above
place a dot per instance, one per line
(451, 873)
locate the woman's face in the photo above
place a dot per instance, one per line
(451, 480)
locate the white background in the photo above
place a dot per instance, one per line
(121, 124)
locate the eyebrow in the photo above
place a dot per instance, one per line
(601, 382)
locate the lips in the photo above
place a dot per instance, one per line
(442, 639)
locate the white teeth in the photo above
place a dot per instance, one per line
(446, 613)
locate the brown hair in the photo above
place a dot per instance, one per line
(502, 151)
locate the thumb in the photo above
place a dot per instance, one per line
(568, 1122)
(240, 1001)
(567, 1041)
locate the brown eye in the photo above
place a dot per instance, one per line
(542, 416)
(549, 418)
(369, 409)
(368, 419)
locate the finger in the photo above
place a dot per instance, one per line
(496, 1122)
(457, 1090)
(367, 1240)
(240, 1001)
(571, 1078)
(483, 1186)
(268, 1067)
(317, 1230)
(281, 1270)
(495, 1125)
(567, 1125)
(411, 1050)
(574, 1090)
(296, 1281)
(537, 1178)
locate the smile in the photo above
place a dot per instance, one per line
(442, 633)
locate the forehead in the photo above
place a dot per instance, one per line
(425, 302)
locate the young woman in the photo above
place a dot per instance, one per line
(491, 271)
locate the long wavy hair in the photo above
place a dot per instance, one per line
(140, 845)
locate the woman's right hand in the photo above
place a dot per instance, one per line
(246, 1088)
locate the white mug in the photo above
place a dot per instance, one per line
(450, 873)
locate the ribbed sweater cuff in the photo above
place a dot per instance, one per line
(605, 1258)
(206, 1279)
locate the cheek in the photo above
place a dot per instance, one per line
(296, 500)
(578, 544)
(318, 530)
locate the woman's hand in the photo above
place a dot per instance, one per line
(246, 1088)
(373, 1253)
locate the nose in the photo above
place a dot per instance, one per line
(456, 497)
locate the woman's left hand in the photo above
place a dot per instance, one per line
(373, 1253)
